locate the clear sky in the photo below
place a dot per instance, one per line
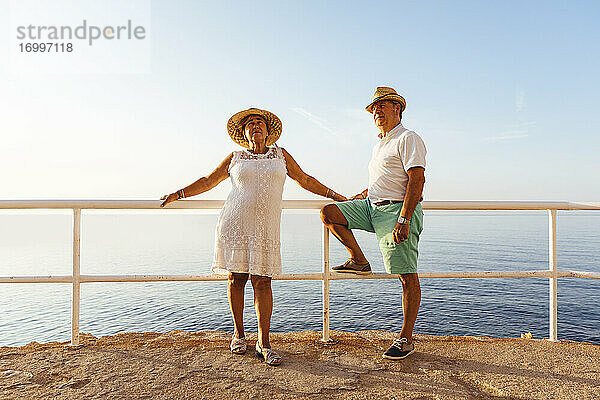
(504, 94)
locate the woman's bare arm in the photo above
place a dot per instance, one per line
(203, 184)
(308, 182)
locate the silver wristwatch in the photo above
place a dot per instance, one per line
(403, 221)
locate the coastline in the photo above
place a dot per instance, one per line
(179, 365)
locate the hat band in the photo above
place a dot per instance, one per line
(381, 97)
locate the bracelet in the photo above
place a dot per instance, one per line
(327, 193)
(403, 221)
(180, 194)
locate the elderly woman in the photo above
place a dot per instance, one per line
(247, 234)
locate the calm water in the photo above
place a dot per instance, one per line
(168, 243)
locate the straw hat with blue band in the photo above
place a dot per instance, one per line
(386, 93)
(235, 126)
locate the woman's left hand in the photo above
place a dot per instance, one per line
(339, 197)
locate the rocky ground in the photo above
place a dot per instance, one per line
(181, 365)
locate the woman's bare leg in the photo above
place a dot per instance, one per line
(235, 294)
(263, 303)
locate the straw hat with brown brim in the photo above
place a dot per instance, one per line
(386, 93)
(235, 126)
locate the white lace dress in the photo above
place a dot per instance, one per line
(247, 234)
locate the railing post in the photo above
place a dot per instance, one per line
(76, 273)
(553, 267)
(325, 285)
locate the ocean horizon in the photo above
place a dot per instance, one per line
(164, 242)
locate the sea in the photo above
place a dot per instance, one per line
(172, 242)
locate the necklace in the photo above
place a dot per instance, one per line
(252, 152)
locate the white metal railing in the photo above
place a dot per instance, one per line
(552, 273)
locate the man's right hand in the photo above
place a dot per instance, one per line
(357, 197)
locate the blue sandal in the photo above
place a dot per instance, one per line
(268, 356)
(238, 346)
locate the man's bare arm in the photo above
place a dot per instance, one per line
(361, 195)
(414, 191)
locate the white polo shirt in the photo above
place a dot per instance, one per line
(396, 153)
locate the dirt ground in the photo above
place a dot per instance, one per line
(182, 365)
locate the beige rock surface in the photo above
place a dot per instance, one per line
(181, 365)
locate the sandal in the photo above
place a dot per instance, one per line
(238, 346)
(268, 356)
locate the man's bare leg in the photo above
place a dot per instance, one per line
(411, 299)
(335, 221)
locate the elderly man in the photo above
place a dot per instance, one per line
(390, 208)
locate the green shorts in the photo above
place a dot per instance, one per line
(397, 258)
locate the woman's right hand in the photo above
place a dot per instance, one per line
(168, 198)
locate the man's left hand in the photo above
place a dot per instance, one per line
(400, 233)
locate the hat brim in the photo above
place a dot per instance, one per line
(389, 96)
(234, 126)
